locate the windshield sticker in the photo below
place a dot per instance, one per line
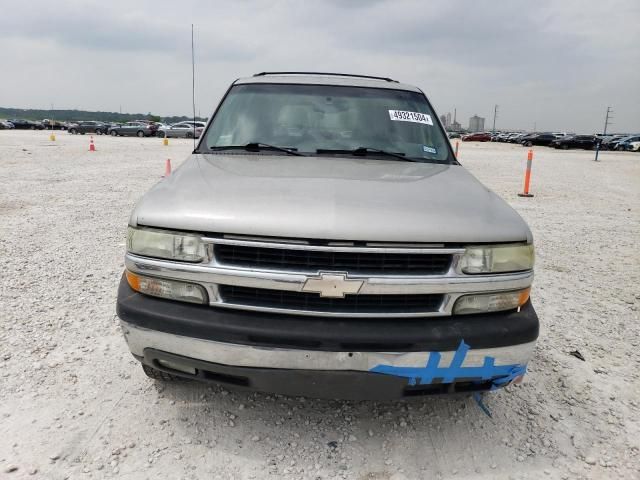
(427, 149)
(415, 117)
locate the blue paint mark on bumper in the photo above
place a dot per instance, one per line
(500, 375)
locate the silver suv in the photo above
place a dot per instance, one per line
(322, 240)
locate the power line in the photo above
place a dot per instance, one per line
(495, 115)
(607, 121)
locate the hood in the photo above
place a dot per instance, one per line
(329, 198)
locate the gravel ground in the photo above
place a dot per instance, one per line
(74, 403)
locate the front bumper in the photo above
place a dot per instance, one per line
(329, 357)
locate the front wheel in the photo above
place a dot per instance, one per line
(140, 133)
(159, 375)
(73, 131)
(160, 134)
(114, 133)
(189, 134)
(565, 147)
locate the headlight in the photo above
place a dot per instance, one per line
(164, 288)
(184, 247)
(490, 302)
(497, 259)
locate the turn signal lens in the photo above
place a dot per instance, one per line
(492, 302)
(163, 288)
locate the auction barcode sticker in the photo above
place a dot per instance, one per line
(415, 117)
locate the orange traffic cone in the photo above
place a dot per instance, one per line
(527, 176)
(92, 147)
(167, 168)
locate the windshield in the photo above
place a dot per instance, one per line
(308, 118)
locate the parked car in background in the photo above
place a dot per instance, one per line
(477, 137)
(453, 134)
(544, 139)
(625, 142)
(587, 142)
(21, 124)
(53, 124)
(6, 125)
(111, 125)
(609, 142)
(133, 129)
(634, 146)
(99, 128)
(515, 137)
(191, 123)
(179, 130)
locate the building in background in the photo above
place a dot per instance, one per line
(476, 124)
(446, 120)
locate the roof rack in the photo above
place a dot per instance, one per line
(386, 79)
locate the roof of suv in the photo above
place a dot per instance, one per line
(343, 80)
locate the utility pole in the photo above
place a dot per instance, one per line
(606, 124)
(495, 115)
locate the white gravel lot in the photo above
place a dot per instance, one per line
(74, 403)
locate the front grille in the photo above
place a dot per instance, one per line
(317, 260)
(313, 302)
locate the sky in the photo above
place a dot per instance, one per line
(557, 65)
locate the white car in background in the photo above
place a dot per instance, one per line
(179, 130)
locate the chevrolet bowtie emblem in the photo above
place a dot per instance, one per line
(335, 285)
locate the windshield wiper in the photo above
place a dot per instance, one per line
(258, 146)
(363, 151)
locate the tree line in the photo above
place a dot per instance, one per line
(83, 115)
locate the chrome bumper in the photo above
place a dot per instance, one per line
(140, 339)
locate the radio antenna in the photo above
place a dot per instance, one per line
(193, 88)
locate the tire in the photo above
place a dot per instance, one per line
(98, 132)
(33, 127)
(529, 144)
(114, 133)
(565, 146)
(159, 375)
(189, 134)
(73, 131)
(140, 134)
(160, 134)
